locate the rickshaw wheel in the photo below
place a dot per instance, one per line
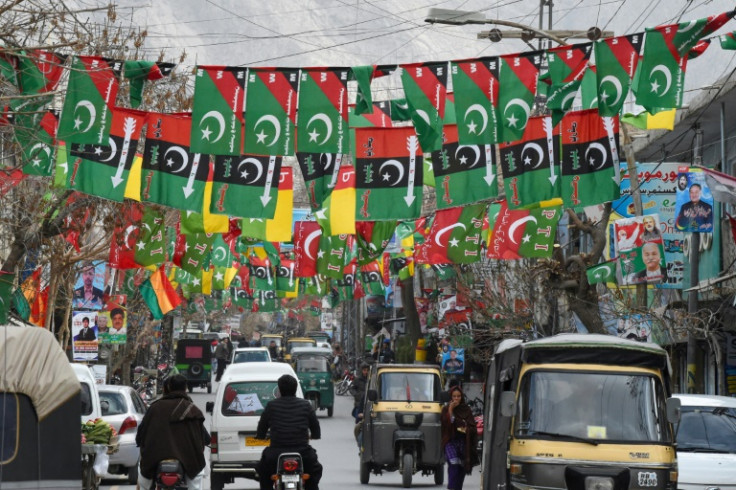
(365, 473)
(407, 470)
(190, 387)
(329, 411)
(439, 474)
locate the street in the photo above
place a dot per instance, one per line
(337, 452)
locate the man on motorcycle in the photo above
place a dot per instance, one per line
(172, 428)
(292, 423)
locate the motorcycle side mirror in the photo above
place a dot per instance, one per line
(674, 406)
(372, 395)
(209, 407)
(508, 403)
(444, 396)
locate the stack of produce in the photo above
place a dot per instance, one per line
(97, 432)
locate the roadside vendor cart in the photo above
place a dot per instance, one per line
(93, 454)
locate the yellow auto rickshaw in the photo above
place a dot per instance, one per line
(297, 342)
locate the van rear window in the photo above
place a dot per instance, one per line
(193, 352)
(86, 399)
(248, 399)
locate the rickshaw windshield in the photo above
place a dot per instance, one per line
(248, 399)
(599, 406)
(311, 364)
(291, 345)
(193, 352)
(397, 386)
(266, 341)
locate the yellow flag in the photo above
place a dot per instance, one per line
(213, 223)
(133, 185)
(278, 229)
(337, 216)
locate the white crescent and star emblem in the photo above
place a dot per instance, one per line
(516, 224)
(92, 115)
(276, 126)
(217, 254)
(244, 174)
(570, 97)
(616, 84)
(424, 116)
(328, 125)
(397, 165)
(524, 107)
(539, 152)
(184, 156)
(607, 267)
(128, 231)
(113, 150)
(308, 241)
(602, 150)
(667, 77)
(446, 229)
(220, 122)
(44, 148)
(475, 149)
(327, 160)
(484, 117)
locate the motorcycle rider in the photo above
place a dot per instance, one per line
(172, 428)
(292, 422)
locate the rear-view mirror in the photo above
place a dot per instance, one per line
(507, 403)
(209, 407)
(372, 395)
(673, 410)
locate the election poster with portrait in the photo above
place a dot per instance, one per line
(640, 247)
(453, 360)
(88, 293)
(112, 329)
(694, 205)
(84, 337)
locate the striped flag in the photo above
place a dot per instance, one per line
(159, 295)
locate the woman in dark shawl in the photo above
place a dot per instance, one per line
(459, 439)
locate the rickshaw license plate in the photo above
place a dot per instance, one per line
(252, 441)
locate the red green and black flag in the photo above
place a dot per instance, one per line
(270, 111)
(463, 173)
(475, 85)
(306, 247)
(690, 33)
(36, 135)
(322, 125)
(372, 238)
(246, 186)
(728, 41)
(517, 88)
(285, 280)
(217, 115)
(455, 236)
(530, 167)
(425, 87)
(137, 72)
(524, 233)
(86, 117)
(261, 273)
(616, 59)
(320, 175)
(364, 75)
(151, 244)
(389, 170)
(567, 65)
(171, 174)
(102, 169)
(589, 158)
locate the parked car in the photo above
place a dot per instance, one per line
(251, 354)
(706, 442)
(243, 392)
(123, 409)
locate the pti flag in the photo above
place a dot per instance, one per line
(270, 111)
(616, 59)
(388, 174)
(217, 115)
(372, 238)
(306, 247)
(322, 125)
(246, 186)
(589, 159)
(192, 252)
(455, 236)
(90, 97)
(530, 168)
(464, 173)
(333, 254)
(171, 174)
(102, 169)
(566, 66)
(36, 135)
(151, 244)
(320, 175)
(475, 85)
(524, 233)
(517, 88)
(425, 87)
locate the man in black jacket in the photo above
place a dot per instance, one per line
(292, 423)
(172, 428)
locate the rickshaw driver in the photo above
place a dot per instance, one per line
(292, 422)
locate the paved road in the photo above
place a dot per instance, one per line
(337, 452)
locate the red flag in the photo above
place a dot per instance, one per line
(9, 179)
(732, 220)
(75, 222)
(306, 247)
(125, 236)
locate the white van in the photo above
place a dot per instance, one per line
(90, 396)
(244, 391)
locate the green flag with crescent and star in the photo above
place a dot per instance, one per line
(90, 98)
(270, 111)
(425, 87)
(246, 186)
(322, 125)
(567, 65)
(602, 273)
(217, 114)
(517, 87)
(171, 174)
(464, 173)
(36, 135)
(475, 86)
(151, 244)
(364, 75)
(616, 59)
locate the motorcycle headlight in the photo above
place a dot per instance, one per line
(598, 483)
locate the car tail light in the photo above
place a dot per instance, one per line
(290, 465)
(213, 443)
(128, 423)
(169, 479)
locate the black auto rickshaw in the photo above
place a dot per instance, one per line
(401, 429)
(194, 361)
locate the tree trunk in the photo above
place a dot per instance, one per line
(413, 330)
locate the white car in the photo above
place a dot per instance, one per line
(250, 354)
(244, 391)
(90, 397)
(123, 409)
(706, 442)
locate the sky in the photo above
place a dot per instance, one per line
(305, 33)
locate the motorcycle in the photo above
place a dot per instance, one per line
(170, 475)
(289, 472)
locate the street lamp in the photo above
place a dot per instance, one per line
(525, 32)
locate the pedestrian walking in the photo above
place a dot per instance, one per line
(221, 356)
(459, 439)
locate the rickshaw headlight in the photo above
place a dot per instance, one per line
(312, 382)
(598, 483)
